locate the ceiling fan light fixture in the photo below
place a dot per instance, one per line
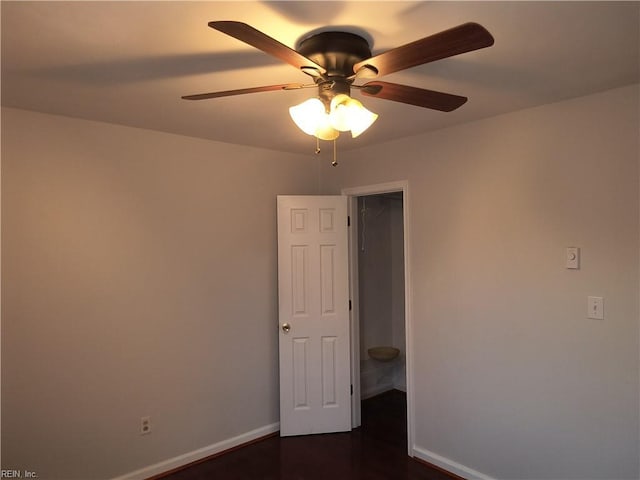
(345, 114)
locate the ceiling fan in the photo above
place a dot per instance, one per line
(335, 59)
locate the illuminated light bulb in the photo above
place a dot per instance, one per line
(325, 130)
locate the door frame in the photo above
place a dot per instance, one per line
(352, 194)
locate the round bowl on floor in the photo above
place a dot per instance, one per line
(383, 354)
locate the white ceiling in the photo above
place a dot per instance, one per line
(129, 62)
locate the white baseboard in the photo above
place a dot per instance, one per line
(199, 454)
(448, 465)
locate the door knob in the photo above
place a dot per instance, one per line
(286, 327)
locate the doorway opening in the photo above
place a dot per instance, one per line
(379, 284)
(381, 294)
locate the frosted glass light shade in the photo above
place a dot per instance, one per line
(308, 115)
(340, 115)
(361, 120)
(311, 118)
(349, 114)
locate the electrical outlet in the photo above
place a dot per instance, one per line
(145, 425)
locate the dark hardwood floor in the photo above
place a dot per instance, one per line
(375, 451)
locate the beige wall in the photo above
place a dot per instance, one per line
(510, 377)
(139, 278)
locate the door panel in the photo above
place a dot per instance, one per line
(313, 295)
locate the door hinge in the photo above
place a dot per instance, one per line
(352, 389)
(348, 221)
(349, 305)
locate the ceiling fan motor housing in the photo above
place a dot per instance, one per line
(337, 52)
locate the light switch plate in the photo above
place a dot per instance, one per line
(573, 257)
(595, 308)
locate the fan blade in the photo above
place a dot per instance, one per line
(242, 91)
(445, 102)
(249, 35)
(463, 38)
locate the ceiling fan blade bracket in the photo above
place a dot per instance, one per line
(367, 71)
(311, 71)
(369, 89)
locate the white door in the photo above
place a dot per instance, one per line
(313, 293)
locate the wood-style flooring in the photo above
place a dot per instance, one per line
(375, 451)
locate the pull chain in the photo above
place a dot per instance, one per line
(335, 160)
(335, 151)
(363, 212)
